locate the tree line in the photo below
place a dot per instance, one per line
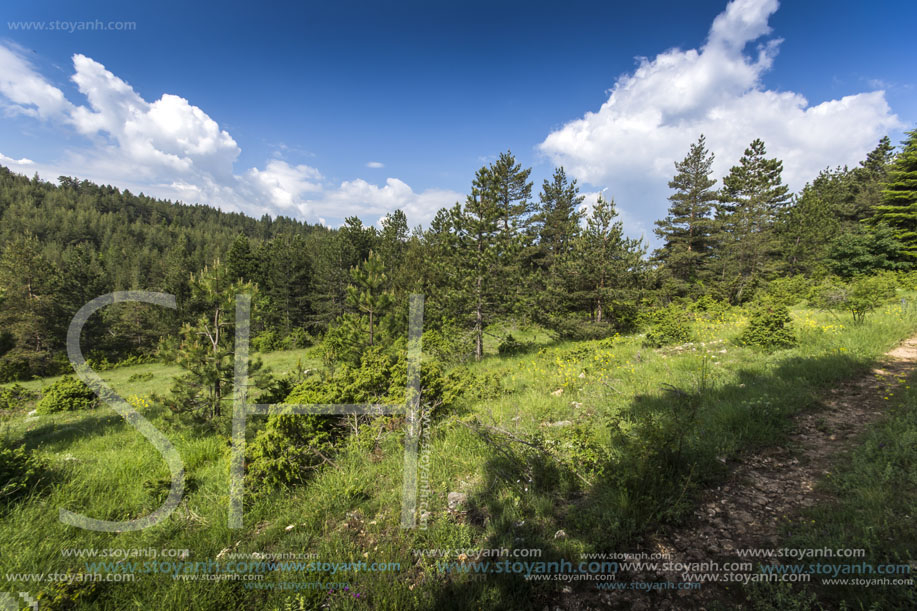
(505, 252)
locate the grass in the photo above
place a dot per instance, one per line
(144, 380)
(632, 437)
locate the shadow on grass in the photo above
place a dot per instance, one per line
(68, 432)
(665, 449)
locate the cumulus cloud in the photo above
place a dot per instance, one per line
(375, 164)
(171, 148)
(26, 92)
(653, 114)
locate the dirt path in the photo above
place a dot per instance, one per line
(746, 510)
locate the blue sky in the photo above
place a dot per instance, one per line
(282, 109)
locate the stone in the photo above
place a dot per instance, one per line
(455, 500)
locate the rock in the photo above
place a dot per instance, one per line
(455, 500)
(558, 392)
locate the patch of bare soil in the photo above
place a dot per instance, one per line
(761, 491)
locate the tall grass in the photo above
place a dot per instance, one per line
(632, 436)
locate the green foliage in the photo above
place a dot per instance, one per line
(291, 447)
(66, 395)
(708, 306)
(576, 448)
(898, 208)
(687, 229)
(206, 352)
(769, 327)
(13, 397)
(603, 272)
(669, 325)
(74, 591)
(447, 342)
(859, 297)
(509, 345)
(752, 198)
(865, 250)
(788, 290)
(20, 471)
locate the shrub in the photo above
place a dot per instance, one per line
(669, 325)
(289, 448)
(867, 294)
(788, 291)
(297, 338)
(20, 471)
(15, 396)
(66, 395)
(292, 446)
(268, 341)
(769, 327)
(509, 345)
(859, 297)
(448, 342)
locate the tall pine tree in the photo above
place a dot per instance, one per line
(752, 197)
(899, 198)
(688, 226)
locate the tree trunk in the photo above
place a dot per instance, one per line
(478, 323)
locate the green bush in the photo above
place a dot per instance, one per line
(20, 471)
(509, 345)
(68, 394)
(669, 325)
(769, 327)
(297, 338)
(860, 297)
(15, 396)
(267, 341)
(789, 290)
(447, 342)
(292, 446)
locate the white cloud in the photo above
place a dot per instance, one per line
(375, 164)
(8, 161)
(653, 115)
(26, 92)
(358, 197)
(173, 149)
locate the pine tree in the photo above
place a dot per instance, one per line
(479, 232)
(31, 318)
(241, 261)
(806, 228)
(688, 227)
(508, 186)
(556, 222)
(899, 198)
(207, 346)
(368, 295)
(869, 179)
(604, 266)
(505, 186)
(752, 197)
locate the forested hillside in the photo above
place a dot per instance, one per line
(505, 253)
